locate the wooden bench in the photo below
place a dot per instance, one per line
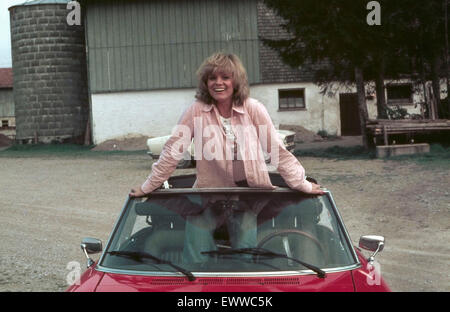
(382, 128)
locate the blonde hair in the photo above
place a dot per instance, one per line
(227, 63)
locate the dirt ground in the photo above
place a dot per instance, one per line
(48, 204)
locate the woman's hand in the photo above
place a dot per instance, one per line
(136, 192)
(316, 190)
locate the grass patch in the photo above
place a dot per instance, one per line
(337, 152)
(47, 148)
(60, 149)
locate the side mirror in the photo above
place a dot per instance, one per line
(373, 243)
(91, 246)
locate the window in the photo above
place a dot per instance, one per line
(291, 99)
(399, 94)
(5, 124)
(157, 226)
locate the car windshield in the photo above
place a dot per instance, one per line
(225, 232)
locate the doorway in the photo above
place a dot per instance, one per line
(350, 120)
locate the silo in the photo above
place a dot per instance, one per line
(50, 78)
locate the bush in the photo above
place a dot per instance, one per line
(396, 112)
(324, 134)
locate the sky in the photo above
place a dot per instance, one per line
(5, 32)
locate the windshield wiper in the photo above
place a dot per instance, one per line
(139, 255)
(264, 253)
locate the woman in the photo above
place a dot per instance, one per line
(231, 132)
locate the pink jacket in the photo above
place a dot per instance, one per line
(255, 134)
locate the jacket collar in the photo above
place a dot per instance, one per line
(209, 107)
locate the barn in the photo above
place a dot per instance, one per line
(142, 57)
(137, 67)
(7, 116)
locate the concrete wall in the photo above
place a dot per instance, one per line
(149, 113)
(154, 113)
(321, 112)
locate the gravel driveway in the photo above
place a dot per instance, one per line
(48, 204)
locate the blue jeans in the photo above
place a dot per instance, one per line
(199, 231)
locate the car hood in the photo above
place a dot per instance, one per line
(285, 132)
(341, 281)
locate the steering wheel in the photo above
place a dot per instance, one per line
(285, 233)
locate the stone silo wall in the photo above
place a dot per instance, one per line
(50, 79)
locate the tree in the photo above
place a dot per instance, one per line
(336, 33)
(333, 32)
(445, 4)
(421, 36)
(415, 37)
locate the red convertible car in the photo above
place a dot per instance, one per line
(230, 240)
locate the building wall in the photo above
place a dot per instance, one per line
(6, 103)
(149, 45)
(7, 113)
(320, 113)
(155, 113)
(148, 113)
